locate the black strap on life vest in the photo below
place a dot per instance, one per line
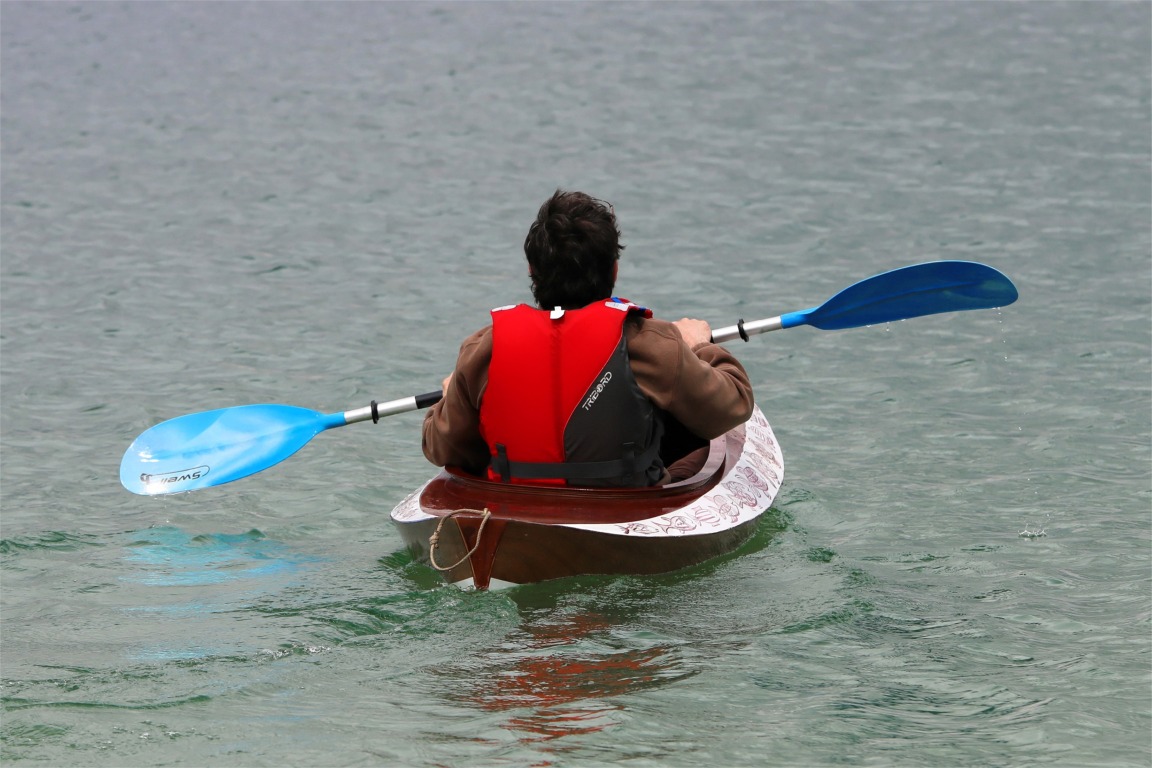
(628, 465)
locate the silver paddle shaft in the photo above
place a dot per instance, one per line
(377, 411)
(751, 328)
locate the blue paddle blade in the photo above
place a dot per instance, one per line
(215, 447)
(921, 289)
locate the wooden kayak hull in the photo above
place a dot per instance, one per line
(484, 534)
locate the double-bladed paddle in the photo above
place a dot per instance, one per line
(216, 447)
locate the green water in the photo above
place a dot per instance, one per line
(205, 205)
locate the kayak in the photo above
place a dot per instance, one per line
(482, 534)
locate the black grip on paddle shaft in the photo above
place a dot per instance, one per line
(428, 399)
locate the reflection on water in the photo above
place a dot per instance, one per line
(171, 557)
(190, 577)
(578, 649)
(557, 675)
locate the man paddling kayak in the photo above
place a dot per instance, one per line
(583, 388)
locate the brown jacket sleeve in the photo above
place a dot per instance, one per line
(452, 426)
(705, 388)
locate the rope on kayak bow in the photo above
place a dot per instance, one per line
(434, 539)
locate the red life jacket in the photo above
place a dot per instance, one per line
(562, 405)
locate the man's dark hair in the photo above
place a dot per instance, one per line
(572, 249)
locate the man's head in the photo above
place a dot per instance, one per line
(572, 250)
